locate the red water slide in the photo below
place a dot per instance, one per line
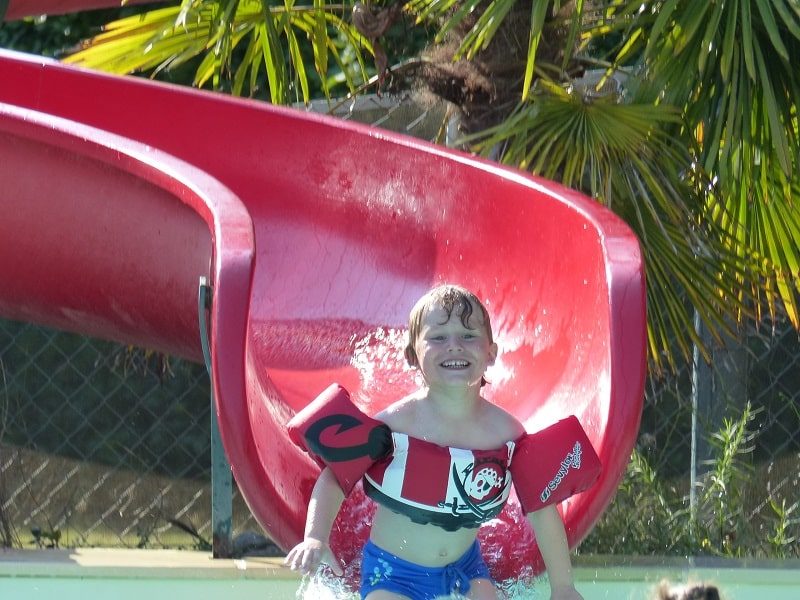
(17, 9)
(317, 236)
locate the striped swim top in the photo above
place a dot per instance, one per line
(440, 485)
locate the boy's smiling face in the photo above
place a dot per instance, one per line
(451, 353)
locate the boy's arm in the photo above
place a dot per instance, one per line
(552, 540)
(326, 499)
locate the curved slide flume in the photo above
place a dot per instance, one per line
(349, 226)
(16, 9)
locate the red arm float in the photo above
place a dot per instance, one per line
(553, 464)
(336, 434)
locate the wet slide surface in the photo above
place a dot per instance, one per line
(317, 236)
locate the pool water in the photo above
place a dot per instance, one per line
(597, 579)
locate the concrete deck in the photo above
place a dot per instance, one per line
(104, 562)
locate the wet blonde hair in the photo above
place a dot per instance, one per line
(697, 591)
(450, 298)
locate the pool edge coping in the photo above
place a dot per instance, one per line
(179, 564)
(126, 563)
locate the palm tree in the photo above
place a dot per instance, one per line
(679, 115)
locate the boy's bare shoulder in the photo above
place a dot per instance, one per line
(399, 414)
(506, 425)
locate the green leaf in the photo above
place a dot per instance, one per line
(297, 62)
(727, 45)
(747, 38)
(788, 20)
(707, 43)
(213, 29)
(274, 61)
(466, 8)
(630, 45)
(691, 20)
(246, 65)
(768, 19)
(319, 38)
(572, 35)
(538, 13)
(428, 9)
(656, 31)
(777, 131)
(481, 34)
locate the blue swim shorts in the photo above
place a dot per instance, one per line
(381, 570)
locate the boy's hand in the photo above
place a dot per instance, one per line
(308, 554)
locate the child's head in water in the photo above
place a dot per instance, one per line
(694, 591)
(445, 303)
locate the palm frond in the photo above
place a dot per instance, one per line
(236, 41)
(746, 100)
(625, 157)
(727, 66)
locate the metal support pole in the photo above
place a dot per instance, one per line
(221, 479)
(702, 400)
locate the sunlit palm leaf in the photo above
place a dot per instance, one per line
(744, 96)
(437, 9)
(319, 42)
(728, 66)
(486, 26)
(429, 9)
(623, 155)
(575, 23)
(538, 11)
(274, 61)
(272, 35)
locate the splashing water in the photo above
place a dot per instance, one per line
(378, 356)
(322, 585)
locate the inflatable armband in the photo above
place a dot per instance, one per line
(336, 434)
(553, 464)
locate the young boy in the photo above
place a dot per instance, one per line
(420, 551)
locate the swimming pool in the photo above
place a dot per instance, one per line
(90, 574)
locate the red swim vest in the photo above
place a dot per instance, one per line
(448, 487)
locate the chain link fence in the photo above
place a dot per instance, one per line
(717, 463)
(102, 444)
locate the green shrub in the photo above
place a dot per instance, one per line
(654, 515)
